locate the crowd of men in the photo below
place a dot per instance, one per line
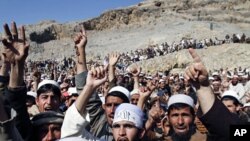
(153, 50)
(69, 100)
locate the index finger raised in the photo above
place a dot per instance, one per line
(83, 31)
(194, 55)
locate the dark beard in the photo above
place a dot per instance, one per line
(184, 137)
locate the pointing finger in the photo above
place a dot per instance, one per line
(194, 55)
(83, 31)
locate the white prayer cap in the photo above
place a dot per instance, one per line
(161, 80)
(135, 91)
(141, 74)
(211, 78)
(72, 90)
(44, 82)
(120, 90)
(216, 82)
(181, 98)
(215, 73)
(229, 76)
(149, 77)
(33, 94)
(235, 76)
(231, 93)
(240, 73)
(246, 105)
(171, 78)
(129, 112)
(245, 76)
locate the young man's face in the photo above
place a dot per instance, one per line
(48, 102)
(126, 131)
(48, 132)
(230, 105)
(180, 120)
(110, 105)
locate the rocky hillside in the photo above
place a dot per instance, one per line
(148, 22)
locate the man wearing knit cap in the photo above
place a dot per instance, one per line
(47, 126)
(181, 117)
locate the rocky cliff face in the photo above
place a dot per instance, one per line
(148, 22)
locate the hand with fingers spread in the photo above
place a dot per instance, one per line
(113, 58)
(196, 73)
(15, 52)
(15, 48)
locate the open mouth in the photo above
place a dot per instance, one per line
(122, 139)
(181, 129)
(48, 109)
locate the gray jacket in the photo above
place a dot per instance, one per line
(98, 122)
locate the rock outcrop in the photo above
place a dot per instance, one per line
(148, 22)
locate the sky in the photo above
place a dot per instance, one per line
(33, 11)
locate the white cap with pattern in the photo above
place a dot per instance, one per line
(129, 112)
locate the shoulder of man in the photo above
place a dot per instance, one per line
(198, 136)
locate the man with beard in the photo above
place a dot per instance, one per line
(237, 87)
(101, 119)
(181, 117)
(101, 115)
(210, 106)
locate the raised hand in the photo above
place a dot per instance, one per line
(145, 92)
(97, 76)
(15, 48)
(196, 73)
(36, 76)
(113, 58)
(135, 70)
(80, 41)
